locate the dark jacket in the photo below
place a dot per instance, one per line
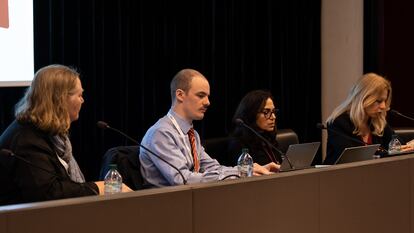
(128, 165)
(337, 142)
(22, 182)
(260, 153)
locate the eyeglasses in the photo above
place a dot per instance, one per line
(268, 112)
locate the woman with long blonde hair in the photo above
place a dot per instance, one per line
(361, 116)
(40, 135)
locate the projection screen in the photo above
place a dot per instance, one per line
(16, 42)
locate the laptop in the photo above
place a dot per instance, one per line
(358, 153)
(300, 155)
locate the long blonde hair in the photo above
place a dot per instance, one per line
(364, 93)
(45, 101)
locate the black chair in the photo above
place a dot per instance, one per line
(217, 148)
(286, 137)
(405, 133)
(128, 165)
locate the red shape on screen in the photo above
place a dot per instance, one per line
(4, 14)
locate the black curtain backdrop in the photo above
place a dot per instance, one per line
(374, 36)
(128, 51)
(388, 50)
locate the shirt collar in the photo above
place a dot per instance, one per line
(184, 125)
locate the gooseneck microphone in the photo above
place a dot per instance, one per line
(395, 112)
(104, 125)
(382, 151)
(6, 152)
(240, 122)
(322, 126)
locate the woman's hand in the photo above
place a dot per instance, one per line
(407, 147)
(267, 169)
(126, 189)
(101, 187)
(272, 167)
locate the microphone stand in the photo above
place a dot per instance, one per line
(11, 153)
(241, 122)
(395, 112)
(322, 126)
(104, 125)
(383, 152)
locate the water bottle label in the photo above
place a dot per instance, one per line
(112, 187)
(245, 171)
(394, 146)
(113, 182)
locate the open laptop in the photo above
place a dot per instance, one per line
(300, 155)
(358, 153)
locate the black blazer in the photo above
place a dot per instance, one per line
(337, 143)
(258, 153)
(24, 183)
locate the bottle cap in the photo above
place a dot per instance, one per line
(112, 166)
(245, 150)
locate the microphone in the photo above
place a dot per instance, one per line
(382, 151)
(6, 152)
(322, 126)
(397, 113)
(104, 125)
(240, 122)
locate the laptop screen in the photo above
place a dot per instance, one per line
(300, 156)
(358, 153)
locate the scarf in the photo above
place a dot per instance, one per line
(64, 151)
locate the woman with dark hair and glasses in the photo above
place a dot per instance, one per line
(257, 110)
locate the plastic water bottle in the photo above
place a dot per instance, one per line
(112, 181)
(245, 163)
(395, 145)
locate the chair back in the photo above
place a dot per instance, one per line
(286, 137)
(128, 165)
(217, 148)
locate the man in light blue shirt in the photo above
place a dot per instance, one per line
(168, 138)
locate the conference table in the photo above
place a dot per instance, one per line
(368, 196)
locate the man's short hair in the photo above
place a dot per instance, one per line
(182, 80)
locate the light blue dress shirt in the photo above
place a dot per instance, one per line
(164, 139)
